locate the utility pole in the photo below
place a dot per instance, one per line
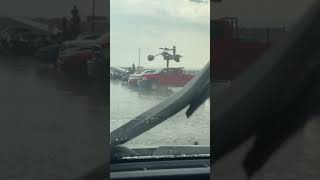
(174, 54)
(139, 57)
(93, 14)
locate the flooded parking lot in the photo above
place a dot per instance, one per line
(50, 121)
(127, 103)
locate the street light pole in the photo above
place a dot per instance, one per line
(174, 54)
(139, 57)
(93, 14)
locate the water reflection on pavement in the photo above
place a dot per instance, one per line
(49, 122)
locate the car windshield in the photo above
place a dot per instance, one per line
(179, 40)
(32, 36)
(103, 38)
(157, 71)
(88, 36)
(16, 30)
(69, 47)
(147, 71)
(250, 75)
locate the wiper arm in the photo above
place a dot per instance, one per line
(193, 94)
(118, 152)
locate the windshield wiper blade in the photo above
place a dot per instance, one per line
(193, 94)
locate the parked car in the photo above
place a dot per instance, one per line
(103, 41)
(74, 60)
(245, 51)
(119, 73)
(29, 42)
(163, 78)
(88, 36)
(97, 63)
(7, 34)
(133, 78)
(49, 53)
(73, 55)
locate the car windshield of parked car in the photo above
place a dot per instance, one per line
(171, 35)
(88, 36)
(148, 71)
(103, 38)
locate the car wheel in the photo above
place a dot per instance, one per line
(154, 85)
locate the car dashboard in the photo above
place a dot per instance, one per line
(161, 169)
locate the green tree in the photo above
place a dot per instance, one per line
(133, 69)
(75, 22)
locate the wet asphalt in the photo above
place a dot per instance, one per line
(52, 125)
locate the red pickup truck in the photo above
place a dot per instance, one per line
(165, 77)
(231, 54)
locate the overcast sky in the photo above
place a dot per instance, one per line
(50, 8)
(262, 12)
(151, 24)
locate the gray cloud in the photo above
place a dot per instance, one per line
(200, 1)
(51, 8)
(262, 13)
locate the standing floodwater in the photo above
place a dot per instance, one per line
(49, 121)
(127, 103)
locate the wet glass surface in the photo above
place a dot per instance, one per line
(127, 103)
(164, 34)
